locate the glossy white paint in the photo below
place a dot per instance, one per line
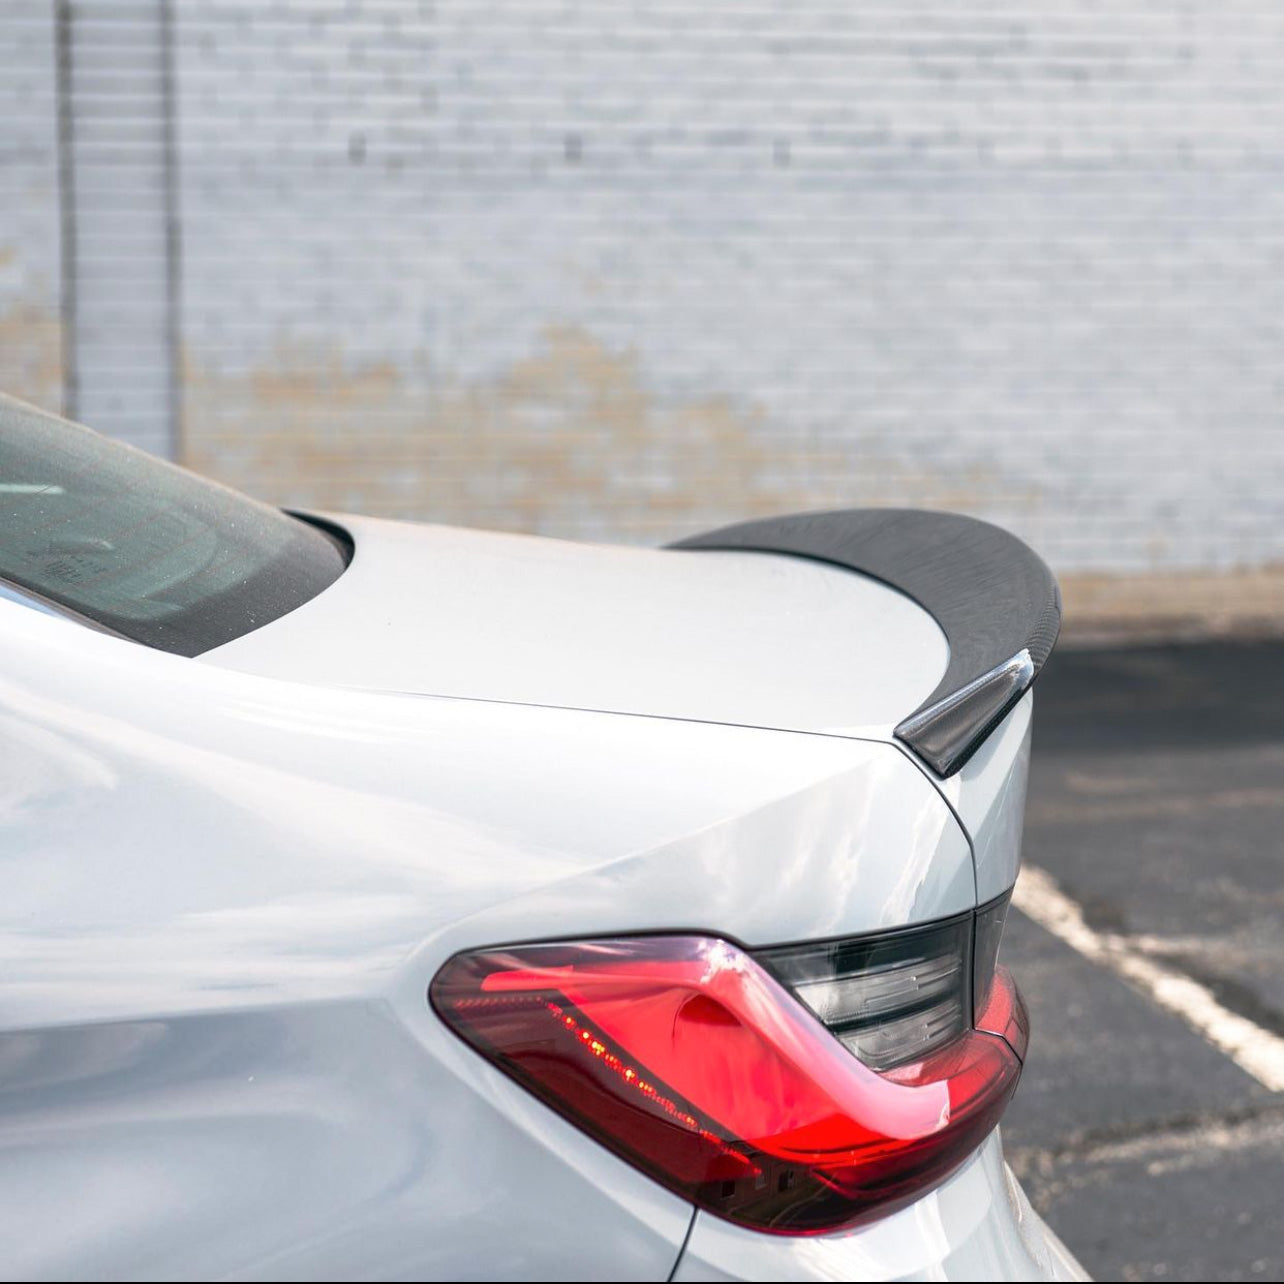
(976, 1226)
(988, 795)
(744, 638)
(225, 896)
(735, 638)
(228, 883)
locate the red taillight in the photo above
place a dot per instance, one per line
(686, 1057)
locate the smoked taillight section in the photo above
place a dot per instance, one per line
(689, 1059)
(890, 999)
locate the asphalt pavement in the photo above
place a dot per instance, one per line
(1157, 804)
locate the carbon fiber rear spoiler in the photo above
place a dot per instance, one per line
(994, 598)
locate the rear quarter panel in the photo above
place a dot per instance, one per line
(225, 897)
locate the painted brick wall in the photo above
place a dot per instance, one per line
(624, 268)
(120, 312)
(30, 266)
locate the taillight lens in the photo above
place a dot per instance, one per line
(689, 1059)
(889, 999)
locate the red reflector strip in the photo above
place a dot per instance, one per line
(1004, 1013)
(637, 1080)
(689, 1060)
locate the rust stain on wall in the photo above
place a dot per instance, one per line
(1173, 605)
(568, 441)
(31, 355)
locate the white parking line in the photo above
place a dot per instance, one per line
(1257, 1051)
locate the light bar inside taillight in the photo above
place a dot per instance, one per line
(688, 1058)
(890, 999)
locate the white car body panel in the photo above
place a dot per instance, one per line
(988, 796)
(236, 966)
(236, 851)
(735, 638)
(978, 1225)
(742, 638)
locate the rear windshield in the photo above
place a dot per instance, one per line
(142, 548)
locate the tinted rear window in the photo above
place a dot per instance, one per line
(142, 548)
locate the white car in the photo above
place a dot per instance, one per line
(385, 900)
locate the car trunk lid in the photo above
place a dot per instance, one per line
(735, 637)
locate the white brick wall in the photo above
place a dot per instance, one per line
(624, 268)
(122, 345)
(30, 229)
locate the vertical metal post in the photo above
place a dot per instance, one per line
(120, 249)
(173, 232)
(66, 207)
